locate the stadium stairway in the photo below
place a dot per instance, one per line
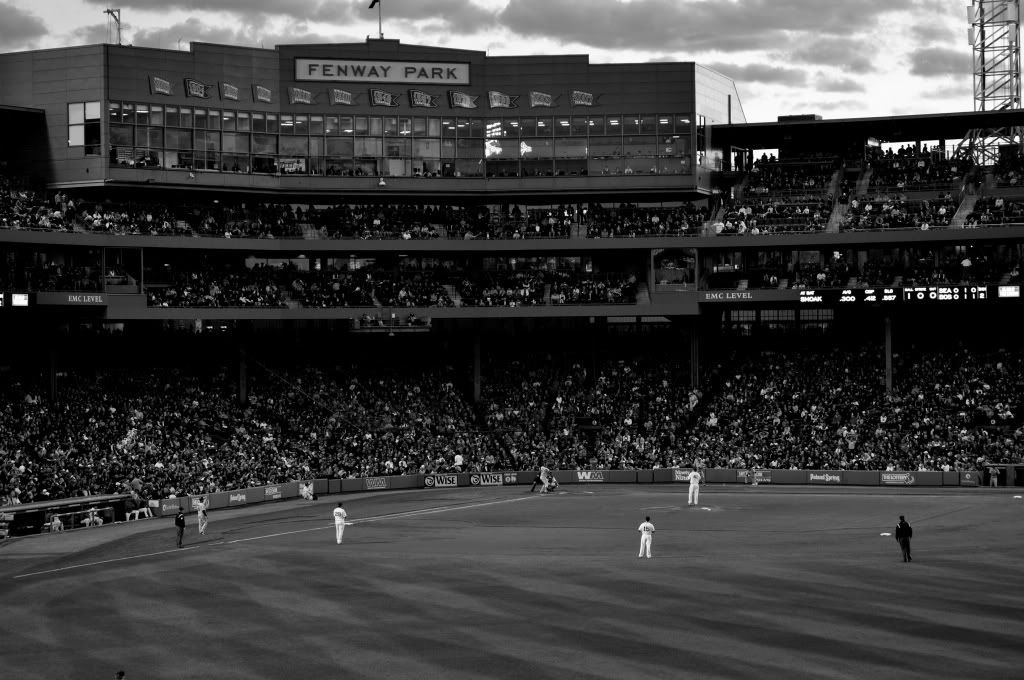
(835, 220)
(966, 208)
(453, 294)
(864, 183)
(643, 294)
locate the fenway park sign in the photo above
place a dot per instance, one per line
(382, 71)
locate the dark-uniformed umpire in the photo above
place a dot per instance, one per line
(179, 522)
(903, 534)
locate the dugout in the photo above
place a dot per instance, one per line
(34, 518)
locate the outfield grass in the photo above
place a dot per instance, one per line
(497, 583)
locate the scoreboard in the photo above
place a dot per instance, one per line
(939, 294)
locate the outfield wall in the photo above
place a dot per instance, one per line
(273, 492)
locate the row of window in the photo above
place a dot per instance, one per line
(154, 115)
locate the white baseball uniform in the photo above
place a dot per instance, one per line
(339, 523)
(646, 534)
(201, 507)
(694, 478)
(545, 479)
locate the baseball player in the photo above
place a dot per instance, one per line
(201, 507)
(339, 522)
(694, 478)
(543, 478)
(646, 534)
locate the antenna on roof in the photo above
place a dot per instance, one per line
(115, 16)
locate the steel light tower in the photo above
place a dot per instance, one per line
(994, 35)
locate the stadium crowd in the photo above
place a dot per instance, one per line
(168, 432)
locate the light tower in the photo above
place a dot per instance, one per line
(994, 35)
(115, 16)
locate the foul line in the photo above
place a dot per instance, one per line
(116, 559)
(378, 518)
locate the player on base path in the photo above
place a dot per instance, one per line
(201, 506)
(339, 522)
(646, 535)
(694, 478)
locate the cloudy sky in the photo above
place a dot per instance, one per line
(832, 57)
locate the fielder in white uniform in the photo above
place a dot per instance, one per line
(201, 507)
(646, 534)
(694, 478)
(339, 522)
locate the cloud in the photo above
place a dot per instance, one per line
(446, 15)
(19, 29)
(95, 34)
(934, 62)
(194, 30)
(852, 55)
(838, 85)
(843, 105)
(691, 25)
(936, 33)
(761, 73)
(960, 92)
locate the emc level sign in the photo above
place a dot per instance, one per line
(379, 71)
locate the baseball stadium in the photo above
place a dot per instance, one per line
(241, 285)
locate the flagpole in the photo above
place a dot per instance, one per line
(380, 20)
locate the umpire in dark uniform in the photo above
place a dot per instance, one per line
(903, 534)
(179, 523)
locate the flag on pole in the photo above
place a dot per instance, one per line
(373, 4)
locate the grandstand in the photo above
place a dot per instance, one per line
(379, 275)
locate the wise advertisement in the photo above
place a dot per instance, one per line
(488, 479)
(435, 481)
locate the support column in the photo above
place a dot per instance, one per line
(476, 368)
(888, 355)
(243, 375)
(695, 354)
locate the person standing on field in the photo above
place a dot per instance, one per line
(339, 522)
(201, 507)
(903, 534)
(646, 536)
(179, 524)
(694, 478)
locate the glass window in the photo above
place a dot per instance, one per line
(562, 125)
(493, 128)
(272, 125)
(648, 125)
(172, 116)
(536, 148)
(596, 125)
(228, 120)
(346, 125)
(471, 127)
(630, 124)
(127, 115)
(579, 127)
(664, 124)
(298, 146)
(236, 141)
(179, 139)
(149, 137)
(199, 118)
(448, 127)
(397, 148)
(76, 135)
(426, 148)
(316, 125)
(213, 120)
(142, 115)
(331, 125)
(340, 146)
(76, 114)
(156, 115)
(92, 110)
(404, 126)
(433, 127)
(376, 126)
(242, 121)
(361, 126)
(545, 128)
(614, 126)
(209, 141)
(301, 125)
(369, 146)
(391, 125)
(121, 135)
(114, 112)
(682, 124)
(259, 122)
(264, 143)
(574, 147)
(528, 127)
(419, 126)
(185, 117)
